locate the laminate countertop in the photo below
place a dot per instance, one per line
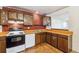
(62, 32)
(3, 34)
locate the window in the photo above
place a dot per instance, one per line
(60, 22)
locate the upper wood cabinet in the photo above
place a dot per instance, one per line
(46, 21)
(28, 20)
(12, 15)
(4, 18)
(20, 16)
(27, 17)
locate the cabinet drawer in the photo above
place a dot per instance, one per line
(63, 36)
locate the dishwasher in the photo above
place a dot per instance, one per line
(29, 40)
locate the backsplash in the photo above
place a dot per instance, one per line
(24, 27)
(34, 27)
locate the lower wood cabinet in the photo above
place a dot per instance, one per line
(61, 42)
(48, 38)
(39, 38)
(2, 44)
(54, 40)
(64, 43)
(43, 37)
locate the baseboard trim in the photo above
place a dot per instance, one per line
(73, 51)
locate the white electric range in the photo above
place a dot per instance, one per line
(15, 41)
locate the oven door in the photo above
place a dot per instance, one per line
(15, 40)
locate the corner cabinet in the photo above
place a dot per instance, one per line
(2, 44)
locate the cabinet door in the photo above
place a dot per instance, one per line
(4, 19)
(40, 38)
(20, 16)
(37, 39)
(2, 45)
(12, 15)
(54, 40)
(28, 20)
(63, 44)
(43, 37)
(48, 39)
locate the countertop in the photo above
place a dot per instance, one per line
(62, 32)
(3, 34)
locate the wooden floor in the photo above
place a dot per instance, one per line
(43, 48)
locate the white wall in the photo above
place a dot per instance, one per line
(73, 23)
(74, 26)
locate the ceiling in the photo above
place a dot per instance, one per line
(43, 9)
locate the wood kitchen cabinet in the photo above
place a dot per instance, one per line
(20, 16)
(51, 39)
(37, 38)
(2, 44)
(3, 16)
(28, 20)
(40, 38)
(43, 37)
(48, 38)
(54, 40)
(64, 43)
(12, 15)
